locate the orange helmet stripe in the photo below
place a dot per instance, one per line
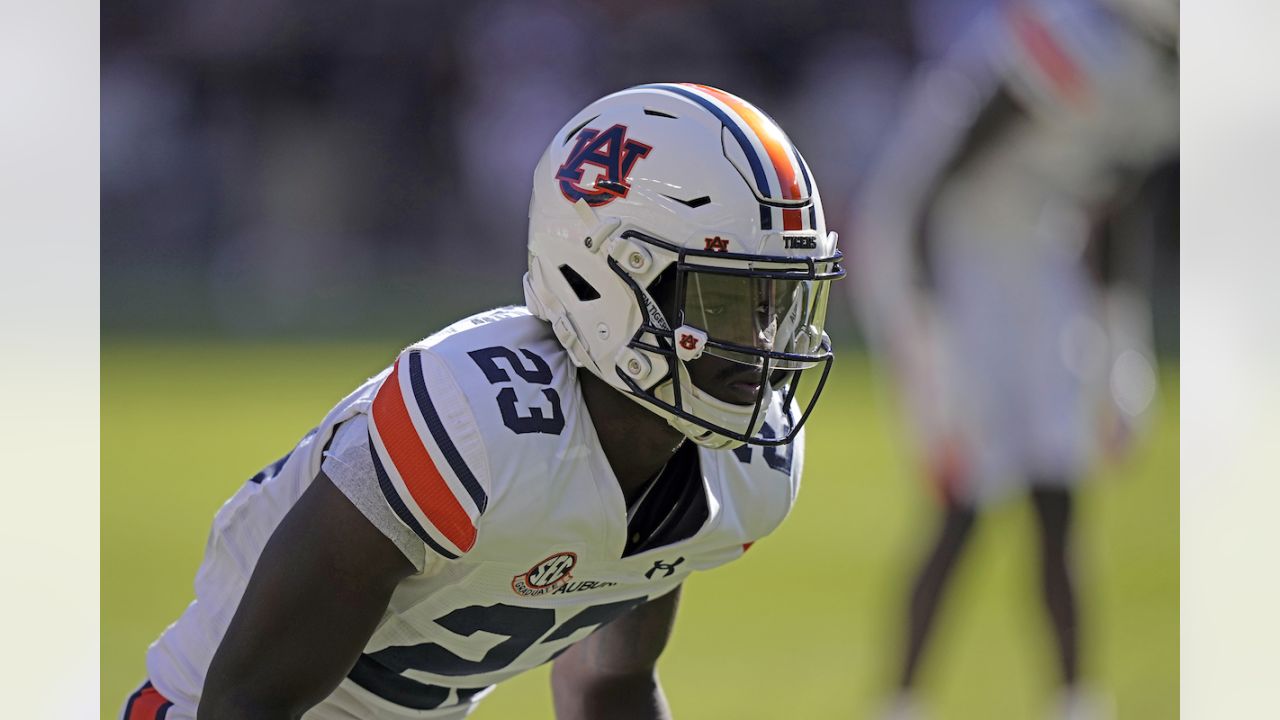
(775, 143)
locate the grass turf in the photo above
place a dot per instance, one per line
(804, 626)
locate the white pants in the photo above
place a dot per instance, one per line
(1016, 339)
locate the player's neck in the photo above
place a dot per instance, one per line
(635, 441)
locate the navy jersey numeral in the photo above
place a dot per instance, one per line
(522, 627)
(777, 457)
(533, 370)
(592, 617)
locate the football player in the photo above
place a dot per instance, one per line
(534, 483)
(973, 239)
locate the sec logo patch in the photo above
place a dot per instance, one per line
(546, 576)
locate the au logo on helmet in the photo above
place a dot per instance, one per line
(717, 244)
(612, 153)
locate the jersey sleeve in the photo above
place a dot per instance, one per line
(428, 454)
(348, 465)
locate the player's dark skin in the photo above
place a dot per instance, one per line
(1053, 516)
(327, 574)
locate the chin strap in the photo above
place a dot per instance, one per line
(708, 439)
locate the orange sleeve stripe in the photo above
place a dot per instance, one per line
(146, 704)
(413, 463)
(770, 137)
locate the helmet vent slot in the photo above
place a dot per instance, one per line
(571, 133)
(579, 284)
(694, 203)
(659, 113)
(612, 186)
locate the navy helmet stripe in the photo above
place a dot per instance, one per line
(804, 171)
(808, 188)
(398, 506)
(441, 436)
(752, 157)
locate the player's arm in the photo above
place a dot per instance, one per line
(613, 672)
(314, 599)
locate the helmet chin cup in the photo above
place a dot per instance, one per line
(703, 437)
(703, 405)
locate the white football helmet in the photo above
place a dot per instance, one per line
(695, 191)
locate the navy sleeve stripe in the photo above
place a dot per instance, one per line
(808, 189)
(398, 506)
(128, 706)
(804, 171)
(441, 436)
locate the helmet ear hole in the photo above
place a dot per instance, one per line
(583, 289)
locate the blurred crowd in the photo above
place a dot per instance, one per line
(336, 168)
(276, 165)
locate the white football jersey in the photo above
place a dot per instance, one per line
(482, 447)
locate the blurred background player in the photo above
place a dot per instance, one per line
(996, 284)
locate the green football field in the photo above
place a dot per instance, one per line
(805, 626)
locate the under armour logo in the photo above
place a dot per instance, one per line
(659, 565)
(717, 244)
